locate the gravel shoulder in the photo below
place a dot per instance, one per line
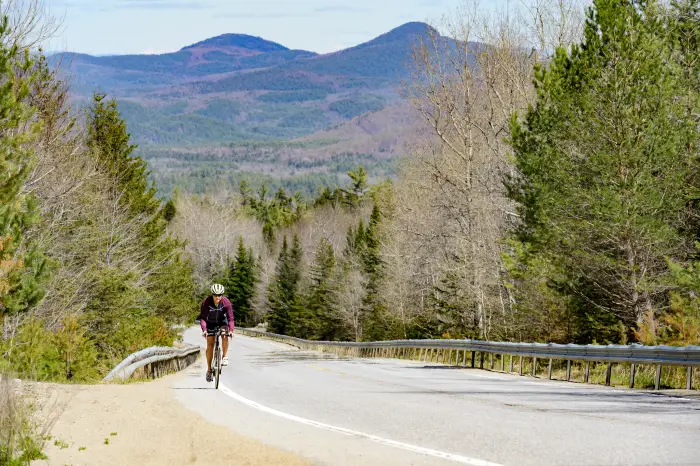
(143, 423)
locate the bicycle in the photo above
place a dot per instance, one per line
(216, 362)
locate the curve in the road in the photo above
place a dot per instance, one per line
(374, 438)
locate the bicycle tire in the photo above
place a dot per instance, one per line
(218, 364)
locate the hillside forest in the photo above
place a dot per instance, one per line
(552, 194)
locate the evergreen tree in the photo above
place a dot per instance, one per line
(142, 281)
(23, 266)
(109, 142)
(281, 292)
(603, 172)
(241, 283)
(321, 298)
(355, 195)
(375, 318)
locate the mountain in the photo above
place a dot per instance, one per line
(242, 41)
(246, 92)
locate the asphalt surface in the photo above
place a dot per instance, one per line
(341, 411)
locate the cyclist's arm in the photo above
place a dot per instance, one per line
(229, 312)
(203, 310)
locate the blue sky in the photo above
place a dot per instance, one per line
(158, 26)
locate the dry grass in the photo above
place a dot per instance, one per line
(25, 420)
(671, 377)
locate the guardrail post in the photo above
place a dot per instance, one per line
(521, 365)
(588, 371)
(451, 353)
(657, 381)
(633, 370)
(464, 358)
(481, 359)
(510, 357)
(568, 370)
(491, 360)
(549, 369)
(689, 378)
(503, 362)
(608, 374)
(534, 366)
(473, 358)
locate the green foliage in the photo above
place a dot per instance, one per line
(603, 170)
(110, 144)
(241, 283)
(281, 210)
(324, 322)
(222, 109)
(23, 266)
(350, 108)
(20, 438)
(270, 80)
(283, 290)
(37, 353)
(141, 284)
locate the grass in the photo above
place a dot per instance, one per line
(671, 377)
(22, 439)
(61, 444)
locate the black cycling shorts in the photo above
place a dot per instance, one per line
(212, 331)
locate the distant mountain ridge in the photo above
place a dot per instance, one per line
(243, 41)
(239, 87)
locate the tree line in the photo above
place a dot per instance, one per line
(89, 272)
(554, 196)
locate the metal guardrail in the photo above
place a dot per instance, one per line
(154, 362)
(456, 350)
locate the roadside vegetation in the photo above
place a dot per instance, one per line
(558, 203)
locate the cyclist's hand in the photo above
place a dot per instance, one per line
(230, 334)
(204, 334)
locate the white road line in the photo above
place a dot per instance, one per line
(374, 438)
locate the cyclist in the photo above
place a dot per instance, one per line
(216, 312)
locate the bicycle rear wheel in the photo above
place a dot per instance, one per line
(217, 364)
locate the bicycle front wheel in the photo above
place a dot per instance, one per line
(218, 367)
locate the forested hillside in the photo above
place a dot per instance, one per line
(88, 270)
(235, 90)
(558, 203)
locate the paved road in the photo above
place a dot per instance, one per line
(388, 410)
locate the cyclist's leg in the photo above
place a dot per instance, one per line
(224, 343)
(210, 351)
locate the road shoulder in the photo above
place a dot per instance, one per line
(143, 423)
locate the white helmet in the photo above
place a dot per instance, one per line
(217, 289)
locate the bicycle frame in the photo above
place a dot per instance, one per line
(216, 367)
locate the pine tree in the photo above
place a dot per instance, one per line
(142, 277)
(23, 267)
(109, 142)
(375, 323)
(355, 195)
(241, 283)
(278, 317)
(321, 298)
(603, 174)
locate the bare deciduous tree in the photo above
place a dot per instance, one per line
(451, 205)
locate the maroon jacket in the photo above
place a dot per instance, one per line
(210, 311)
